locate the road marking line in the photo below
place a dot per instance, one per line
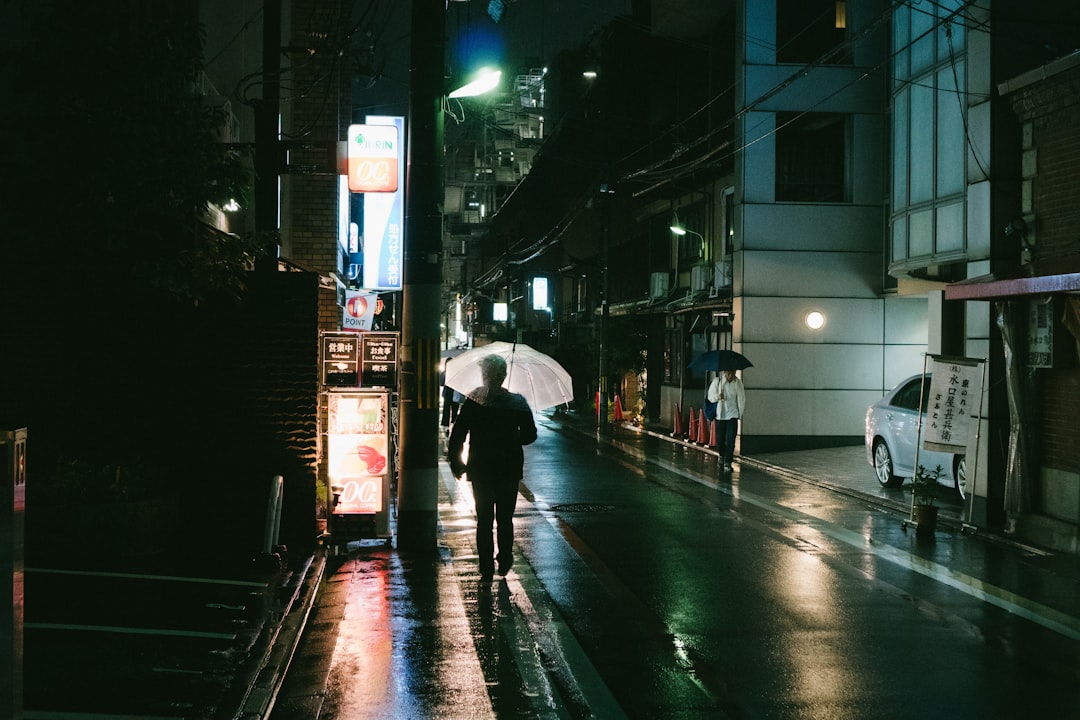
(1009, 601)
(550, 636)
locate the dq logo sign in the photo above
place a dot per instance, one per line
(373, 158)
(360, 496)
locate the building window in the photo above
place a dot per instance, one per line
(692, 244)
(729, 222)
(929, 141)
(811, 157)
(811, 31)
(673, 351)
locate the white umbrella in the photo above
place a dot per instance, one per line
(539, 377)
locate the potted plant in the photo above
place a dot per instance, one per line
(924, 488)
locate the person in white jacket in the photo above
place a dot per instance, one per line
(727, 391)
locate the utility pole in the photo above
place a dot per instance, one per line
(604, 202)
(418, 396)
(267, 147)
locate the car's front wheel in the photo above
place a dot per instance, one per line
(883, 466)
(960, 473)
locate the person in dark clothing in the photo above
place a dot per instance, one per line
(497, 424)
(451, 400)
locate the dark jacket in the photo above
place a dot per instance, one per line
(497, 423)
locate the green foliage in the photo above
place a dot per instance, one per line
(117, 156)
(924, 486)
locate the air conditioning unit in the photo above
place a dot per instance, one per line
(658, 285)
(699, 277)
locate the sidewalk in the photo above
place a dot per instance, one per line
(416, 609)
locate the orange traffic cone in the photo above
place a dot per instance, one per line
(712, 434)
(692, 430)
(618, 410)
(701, 437)
(676, 422)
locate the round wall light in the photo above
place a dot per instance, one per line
(814, 320)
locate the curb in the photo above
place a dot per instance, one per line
(280, 644)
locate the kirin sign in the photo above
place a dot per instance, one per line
(373, 158)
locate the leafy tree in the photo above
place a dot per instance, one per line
(114, 149)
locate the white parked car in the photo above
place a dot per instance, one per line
(892, 424)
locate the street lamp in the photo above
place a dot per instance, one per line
(678, 229)
(486, 80)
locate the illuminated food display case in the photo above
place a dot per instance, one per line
(359, 462)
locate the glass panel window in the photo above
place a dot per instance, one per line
(899, 239)
(900, 150)
(950, 134)
(921, 233)
(901, 45)
(922, 37)
(950, 33)
(811, 157)
(950, 228)
(922, 143)
(929, 138)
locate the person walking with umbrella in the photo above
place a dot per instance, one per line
(727, 391)
(497, 423)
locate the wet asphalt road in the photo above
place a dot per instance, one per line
(649, 585)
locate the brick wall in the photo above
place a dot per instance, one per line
(1056, 191)
(1060, 408)
(319, 117)
(1055, 116)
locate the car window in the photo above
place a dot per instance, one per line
(908, 396)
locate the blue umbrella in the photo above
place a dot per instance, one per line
(717, 360)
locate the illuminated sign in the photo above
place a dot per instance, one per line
(359, 310)
(540, 293)
(340, 365)
(374, 155)
(384, 224)
(358, 450)
(378, 359)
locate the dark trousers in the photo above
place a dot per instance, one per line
(726, 430)
(495, 503)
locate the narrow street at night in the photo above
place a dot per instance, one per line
(647, 585)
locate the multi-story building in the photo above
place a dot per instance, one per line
(847, 173)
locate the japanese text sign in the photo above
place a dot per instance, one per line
(952, 406)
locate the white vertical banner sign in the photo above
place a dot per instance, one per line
(384, 223)
(952, 407)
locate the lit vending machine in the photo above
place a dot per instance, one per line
(359, 463)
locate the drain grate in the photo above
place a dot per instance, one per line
(582, 507)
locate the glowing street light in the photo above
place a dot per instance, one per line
(486, 80)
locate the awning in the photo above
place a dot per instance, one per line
(1038, 278)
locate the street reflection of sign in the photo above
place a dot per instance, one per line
(358, 450)
(953, 404)
(378, 359)
(339, 359)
